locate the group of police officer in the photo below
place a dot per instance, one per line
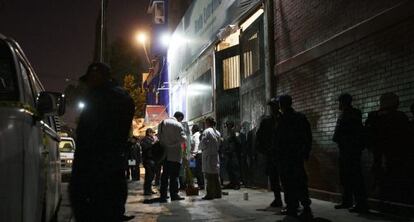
(285, 139)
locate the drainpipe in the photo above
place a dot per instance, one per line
(269, 45)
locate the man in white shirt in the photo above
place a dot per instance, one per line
(196, 153)
(171, 136)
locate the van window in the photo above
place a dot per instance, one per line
(66, 146)
(8, 83)
(29, 94)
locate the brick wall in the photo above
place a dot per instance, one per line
(301, 24)
(381, 62)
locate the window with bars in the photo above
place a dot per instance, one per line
(231, 72)
(251, 56)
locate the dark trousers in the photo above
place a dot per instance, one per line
(149, 175)
(352, 181)
(213, 186)
(295, 184)
(133, 172)
(198, 171)
(157, 174)
(245, 164)
(98, 196)
(169, 177)
(233, 168)
(274, 178)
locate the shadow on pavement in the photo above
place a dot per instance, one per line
(154, 200)
(320, 219)
(292, 219)
(373, 216)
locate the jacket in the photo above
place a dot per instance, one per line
(209, 145)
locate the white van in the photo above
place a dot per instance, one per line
(29, 154)
(67, 148)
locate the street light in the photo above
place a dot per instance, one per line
(141, 38)
(81, 105)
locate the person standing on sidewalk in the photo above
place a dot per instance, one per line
(232, 151)
(98, 188)
(171, 136)
(209, 145)
(349, 137)
(148, 161)
(266, 146)
(389, 140)
(196, 152)
(293, 143)
(134, 159)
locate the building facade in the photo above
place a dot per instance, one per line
(229, 57)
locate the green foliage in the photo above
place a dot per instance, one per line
(137, 94)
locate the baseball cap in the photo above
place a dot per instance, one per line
(98, 67)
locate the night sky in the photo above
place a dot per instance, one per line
(58, 35)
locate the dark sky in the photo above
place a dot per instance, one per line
(58, 35)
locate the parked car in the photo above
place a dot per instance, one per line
(29, 155)
(67, 150)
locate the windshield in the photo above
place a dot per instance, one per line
(8, 88)
(66, 147)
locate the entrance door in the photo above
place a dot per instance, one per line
(252, 84)
(253, 90)
(227, 86)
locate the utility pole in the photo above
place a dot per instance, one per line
(101, 44)
(270, 50)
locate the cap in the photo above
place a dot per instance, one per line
(285, 100)
(345, 98)
(273, 101)
(99, 67)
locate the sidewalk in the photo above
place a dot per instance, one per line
(231, 207)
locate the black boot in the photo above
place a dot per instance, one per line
(306, 215)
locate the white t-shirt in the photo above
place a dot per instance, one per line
(195, 142)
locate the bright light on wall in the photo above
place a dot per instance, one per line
(165, 39)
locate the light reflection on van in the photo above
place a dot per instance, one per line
(29, 155)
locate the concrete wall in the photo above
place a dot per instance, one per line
(324, 48)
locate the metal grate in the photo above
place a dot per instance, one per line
(231, 72)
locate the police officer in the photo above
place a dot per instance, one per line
(98, 189)
(349, 137)
(266, 146)
(293, 142)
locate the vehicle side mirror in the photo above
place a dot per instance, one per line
(50, 103)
